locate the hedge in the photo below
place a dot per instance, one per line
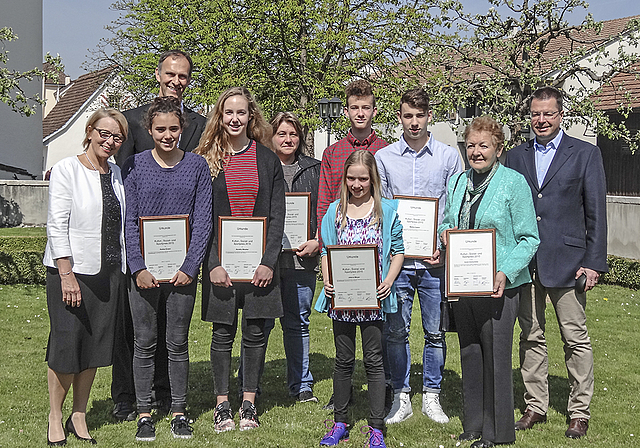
(21, 262)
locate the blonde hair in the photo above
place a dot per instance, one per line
(215, 145)
(99, 115)
(366, 159)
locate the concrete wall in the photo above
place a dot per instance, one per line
(623, 219)
(21, 143)
(23, 202)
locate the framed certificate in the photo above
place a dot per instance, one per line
(354, 274)
(164, 241)
(241, 244)
(419, 217)
(297, 220)
(471, 262)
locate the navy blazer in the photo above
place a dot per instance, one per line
(570, 209)
(139, 139)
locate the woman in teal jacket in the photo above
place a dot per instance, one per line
(484, 197)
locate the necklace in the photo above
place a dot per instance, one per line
(90, 162)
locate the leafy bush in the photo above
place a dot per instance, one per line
(21, 260)
(623, 272)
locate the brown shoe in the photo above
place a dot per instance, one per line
(530, 418)
(577, 428)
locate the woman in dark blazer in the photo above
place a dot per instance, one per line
(247, 181)
(484, 197)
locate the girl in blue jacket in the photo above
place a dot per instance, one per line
(361, 216)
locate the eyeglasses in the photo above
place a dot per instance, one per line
(117, 138)
(546, 115)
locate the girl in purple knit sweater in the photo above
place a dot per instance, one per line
(164, 181)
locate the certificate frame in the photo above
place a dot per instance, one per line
(354, 290)
(241, 266)
(298, 232)
(464, 277)
(164, 242)
(415, 243)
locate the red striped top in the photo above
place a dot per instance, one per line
(241, 176)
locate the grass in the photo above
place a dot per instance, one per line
(613, 314)
(23, 231)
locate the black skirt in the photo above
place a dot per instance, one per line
(82, 337)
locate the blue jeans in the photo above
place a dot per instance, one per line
(395, 339)
(298, 288)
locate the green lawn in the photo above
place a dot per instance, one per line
(23, 231)
(613, 319)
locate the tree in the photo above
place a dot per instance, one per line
(289, 53)
(495, 61)
(11, 93)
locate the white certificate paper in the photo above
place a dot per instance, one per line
(296, 220)
(353, 271)
(164, 243)
(241, 244)
(471, 262)
(419, 218)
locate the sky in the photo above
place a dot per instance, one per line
(72, 27)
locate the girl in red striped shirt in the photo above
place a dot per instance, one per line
(247, 182)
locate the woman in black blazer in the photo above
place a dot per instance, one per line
(247, 181)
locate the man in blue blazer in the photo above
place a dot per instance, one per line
(173, 75)
(567, 181)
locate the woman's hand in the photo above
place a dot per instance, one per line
(181, 279)
(219, 277)
(329, 291)
(384, 289)
(435, 259)
(262, 277)
(499, 284)
(308, 249)
(443, 236)
(71, 294)
(146, 280)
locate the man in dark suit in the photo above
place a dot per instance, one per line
(567, 181)
(173, 74)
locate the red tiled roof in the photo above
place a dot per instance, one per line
(72, 98)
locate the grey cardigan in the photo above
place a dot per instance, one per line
(220, 304)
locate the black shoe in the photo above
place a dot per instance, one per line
(306, 396)
(62, 442)
(470, 435)
(482, 443)
(146, 430)
(72, 430)
(124, 411)
(180, 427)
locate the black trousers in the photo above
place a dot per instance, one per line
(254, 345)
(122, 386)
(485, 332)
(344, 335)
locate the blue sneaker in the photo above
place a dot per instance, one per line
(375, 437)
(338, 433)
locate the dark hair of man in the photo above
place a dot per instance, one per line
(546, 93)
(416, 98)
(174, 54)
(163, 105)
(360, 88)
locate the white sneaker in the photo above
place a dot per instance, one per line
(432, 409)
(401, 409)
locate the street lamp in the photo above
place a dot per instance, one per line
(329, 110)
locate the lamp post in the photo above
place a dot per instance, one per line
(329, 111)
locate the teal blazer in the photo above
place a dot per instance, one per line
(506, 206)
(392, 243)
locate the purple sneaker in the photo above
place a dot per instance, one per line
(375, 437)
(338, 433)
